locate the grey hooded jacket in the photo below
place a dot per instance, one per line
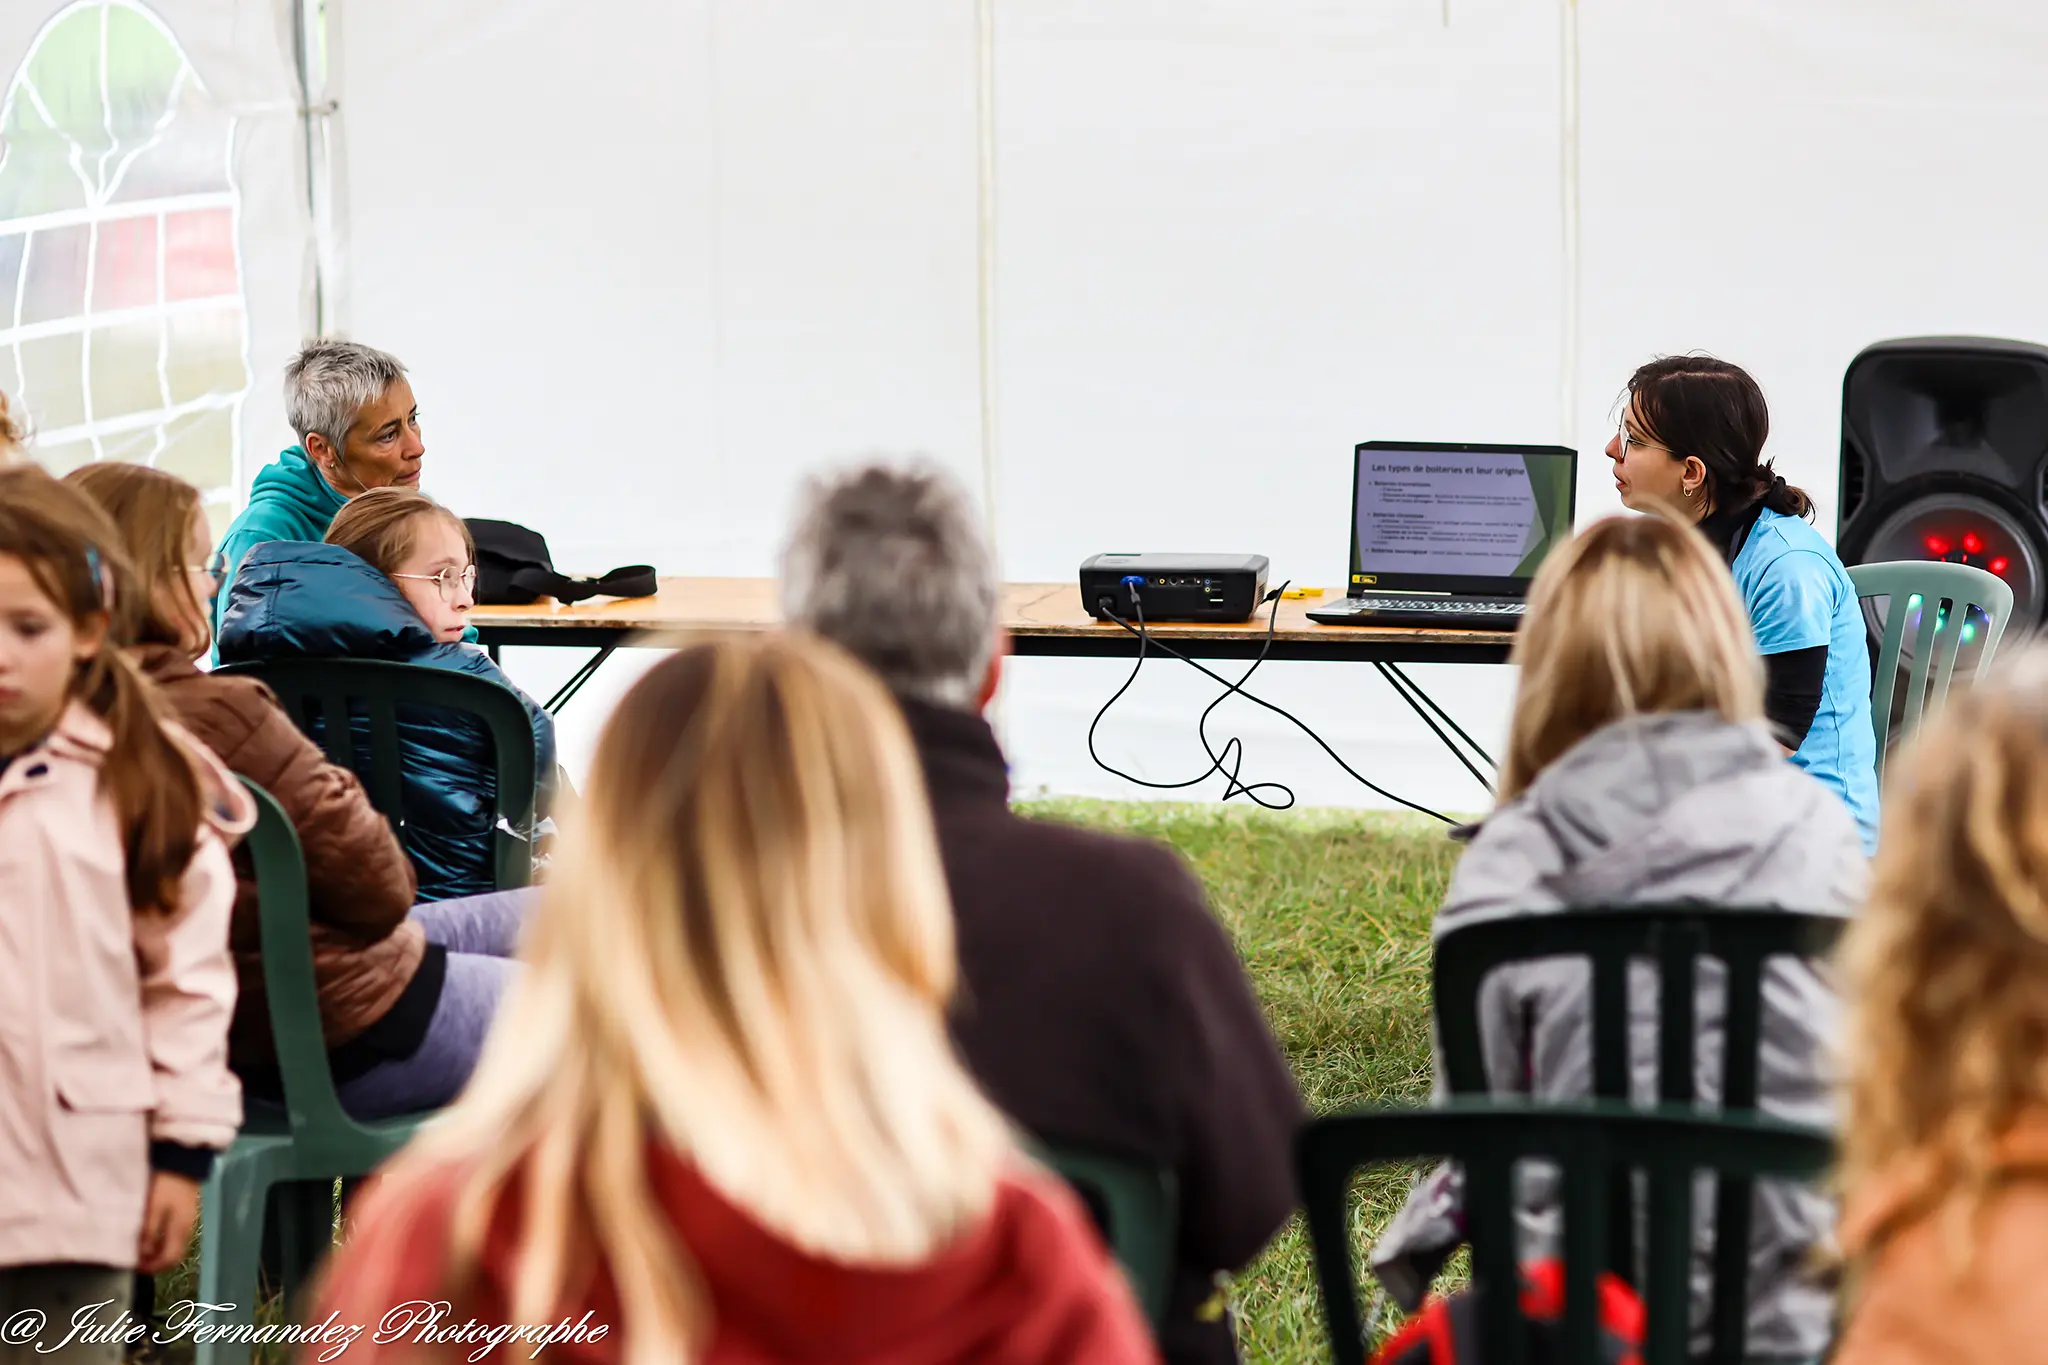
(1672, 807)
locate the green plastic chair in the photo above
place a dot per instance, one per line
(1673, 938)
(322, 696)
(1952, 590)
(1591, 1143)
(1141, 1206)
(301, 1149)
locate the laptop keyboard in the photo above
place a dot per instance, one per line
(1440, 606)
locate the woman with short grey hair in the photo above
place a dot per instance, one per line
(358, 427)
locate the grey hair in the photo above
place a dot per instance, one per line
(888, 560)
(328, 382)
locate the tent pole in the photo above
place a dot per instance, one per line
(1568, 207)
(985, 256)
(309, 31)
(985, 221)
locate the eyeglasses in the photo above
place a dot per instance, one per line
(215, 568)
(451, 582)
(1621, 434)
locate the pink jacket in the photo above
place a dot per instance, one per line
(113, 1026)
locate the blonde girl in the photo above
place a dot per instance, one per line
(719, 1110)
(1945, 1138)
(115, 890)
(1640, 770)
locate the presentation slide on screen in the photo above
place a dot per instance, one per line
(1432, 512)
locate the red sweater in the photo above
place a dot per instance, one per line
(1031, 1285)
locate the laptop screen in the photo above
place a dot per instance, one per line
(1457, 518)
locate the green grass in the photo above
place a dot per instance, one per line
(1330, 911)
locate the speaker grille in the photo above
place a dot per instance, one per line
(1854, 477)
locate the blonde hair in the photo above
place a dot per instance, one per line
(1946, 968)
(13, 436)
(745, 954)
(1633, 616)
(381, 527)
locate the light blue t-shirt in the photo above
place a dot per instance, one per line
(1799, 596)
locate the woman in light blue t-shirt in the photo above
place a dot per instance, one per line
(1691, 440)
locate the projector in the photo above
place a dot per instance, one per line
(1174, 587)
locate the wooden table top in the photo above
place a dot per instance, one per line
(1042, 618)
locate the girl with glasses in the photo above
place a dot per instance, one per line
(392, 581)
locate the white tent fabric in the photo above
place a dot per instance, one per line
(652, 263)
(652, 260)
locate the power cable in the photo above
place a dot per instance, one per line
(1233, 749)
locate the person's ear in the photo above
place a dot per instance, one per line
(319, 449)
(992, 676)
(1693, 478)
(88, 638)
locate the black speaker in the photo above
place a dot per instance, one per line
(1944, 456)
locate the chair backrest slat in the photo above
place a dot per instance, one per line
(1667, 1293)
(1742, 1024)
(1142, 1205)
(1610, 1025)
(1923, 649)
(337, 736)
(386, 776)
(1947, 645)
(1586, 1229)
(1490, 1211)
(1586, 1141)
(1677, 946)
(361, 704)
(289, 985)
(1729, 1314)
(1947, 595)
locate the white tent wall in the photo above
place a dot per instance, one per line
(651, 261)
(644, 284)
(1783, 185)
(1234, 240)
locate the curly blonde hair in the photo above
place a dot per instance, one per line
(1946, 970)
(13, 436)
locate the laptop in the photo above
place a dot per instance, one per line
(1450, 535)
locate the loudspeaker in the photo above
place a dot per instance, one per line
(1944, 456)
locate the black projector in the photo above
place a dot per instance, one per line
(1174, 587)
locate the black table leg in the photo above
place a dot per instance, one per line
(1424, 705)
(580, 677)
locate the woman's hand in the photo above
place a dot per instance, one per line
(167, 1221)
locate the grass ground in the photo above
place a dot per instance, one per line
(1330, 911)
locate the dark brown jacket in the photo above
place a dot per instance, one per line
(360, 883)
(1102, 1005)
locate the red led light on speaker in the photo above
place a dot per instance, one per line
(1973, 544)
(1937, 546)
(2000, 564)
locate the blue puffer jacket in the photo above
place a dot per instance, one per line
(300, 600)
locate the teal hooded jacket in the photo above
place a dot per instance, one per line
(290, 501)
